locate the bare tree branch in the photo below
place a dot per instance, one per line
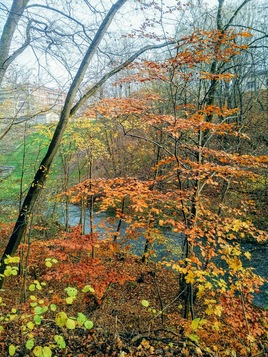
(16, 11)
(42, 172)
(94, 89)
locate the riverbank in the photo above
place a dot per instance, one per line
(134, 309)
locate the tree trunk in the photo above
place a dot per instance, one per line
(15, 13)
(42, 172)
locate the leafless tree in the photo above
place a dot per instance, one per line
(72, 104)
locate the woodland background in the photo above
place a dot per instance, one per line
(160, 147)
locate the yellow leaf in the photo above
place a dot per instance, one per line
(247, 255)
(236, 251)
(195, 324)
(250, 338)
(216, 326)
(70, 324)
(209, 310)
(189, 278)
(235, 264)
(61, 319)
(218, 310)
(201, 290)
(236, 225)
(208, 285)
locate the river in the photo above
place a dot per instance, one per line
(105, 226)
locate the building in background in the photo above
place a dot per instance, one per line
(31, 103)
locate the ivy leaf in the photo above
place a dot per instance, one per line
(38, 310)
(47, 352)
(38, 351)
(61, 319)
(53, 307)
(88, 288)
(37, 319)
(48, 264)
(70, 324)
(69, 300)
(88, 324)
(81, 318)
(38, 286)
(60, 341)
(145, 303)
(11, 350)
(72, 292)
(29, 344)
(30, 325)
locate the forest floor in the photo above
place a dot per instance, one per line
(139, 315)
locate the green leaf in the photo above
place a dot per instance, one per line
(29, 344)
(32, 287)
(193, 338)
(11, 350)
(12, 317)
(60, 341)
(10, 259)
(81, 318)
(37, 319)
(30, 325)
(38, 287)
(88, 288)
(70, 324)
(49, 264)
(145, 303)
(44, 309)
(72, 292)
(61, 319)
(47, 352)
(53, 307)
(195, 324)
(38, 310)
(38, 351)
(8, 271)
(88, 324)
(69, 300)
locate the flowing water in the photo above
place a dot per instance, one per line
(105, 225)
